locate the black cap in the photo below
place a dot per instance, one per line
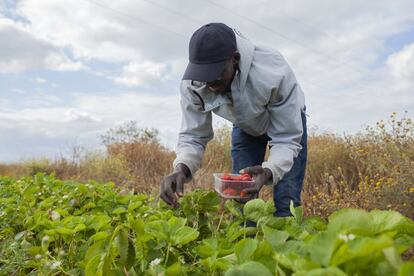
(210, 47)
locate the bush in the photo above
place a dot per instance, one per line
(371, 169)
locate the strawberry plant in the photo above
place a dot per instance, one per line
(53, 227)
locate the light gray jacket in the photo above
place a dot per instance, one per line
(265, 98)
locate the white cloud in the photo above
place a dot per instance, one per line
(4, 103)
(161, 112)
(89, 116)
(18, 91)
(143, 74)
(337, 56)
(59, 62)
(40, 99)
(99, 31)
(21, 50)
(40, 80)
(75, 115)
(402, 63)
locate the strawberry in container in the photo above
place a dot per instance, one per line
(232, 185)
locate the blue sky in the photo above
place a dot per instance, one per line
(71, 70)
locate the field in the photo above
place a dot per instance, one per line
(98, 212)
(50, 227)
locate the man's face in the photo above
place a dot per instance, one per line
(223, 83)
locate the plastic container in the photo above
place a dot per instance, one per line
(231, 188)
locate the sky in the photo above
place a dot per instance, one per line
(70, 70)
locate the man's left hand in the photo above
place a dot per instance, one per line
(261, 176)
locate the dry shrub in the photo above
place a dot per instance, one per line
(13, 170)
(372, 169)
(146, 162)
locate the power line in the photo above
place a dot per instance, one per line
(301, 22)
(342, 63)
(101, 5)
(318, 30)
(273, 31)
(174, 12)
(134, 18)
(168, 9)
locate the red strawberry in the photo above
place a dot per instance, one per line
(230, 191)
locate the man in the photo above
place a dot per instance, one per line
(254, 88)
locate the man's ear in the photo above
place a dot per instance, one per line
(236, 58)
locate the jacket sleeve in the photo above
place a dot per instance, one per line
(196, 130)
(285, 129)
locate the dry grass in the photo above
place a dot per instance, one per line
(372, 169)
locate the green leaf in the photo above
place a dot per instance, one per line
(272, 221)
(385, 221)
(269, 207)
(121, 243)
(138, 226)
(119, 210)
(208, 201)
(275, 237)
(244, 249)
(296, 212)
(176, 223)
(65, 231)
(184, 235)
(295, 230)
(96, 249)
(322, 246)
(406, 269)
(34, 250)
(230, 205)
(254, 209)
(88, 205)
(123, 199)
(79, 227)
(329, 271)
(131, 255)
(314, 223)
(403, 242)
(279, 270)
(250, 268)
(99, 236)
(95, 266)
(158, 229)
(264, 255)
(207, 248)
(132, 272)
(134, 205)
(352, 221)
(99, 222)
(360, 247)
(174, 269)
(392, 257)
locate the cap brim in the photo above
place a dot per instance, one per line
(204, 72)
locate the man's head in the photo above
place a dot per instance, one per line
(213, 57)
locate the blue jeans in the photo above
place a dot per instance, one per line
(250, 151)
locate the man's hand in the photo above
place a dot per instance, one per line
(261, 176)
(172, 186)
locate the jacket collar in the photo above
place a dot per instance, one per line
(246, 49)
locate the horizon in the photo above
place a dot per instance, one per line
(70, 71)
